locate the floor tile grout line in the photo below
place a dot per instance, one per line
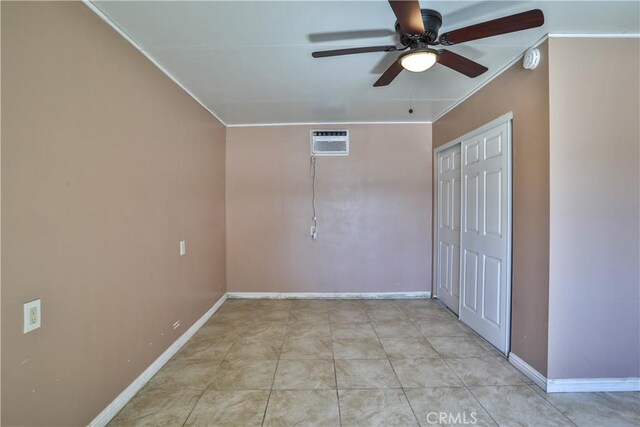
(244, 325)
(422, 334)
(482, 406)
(444, 360)
(208, 385)
(471, 392)
(427, 339)
(194, 406)
(273, 380)
(531, 386)
(397, 378)
(500, 385)
(516, 385)
(519, 385)
(476, 335)
(456, 374)
(335, 374)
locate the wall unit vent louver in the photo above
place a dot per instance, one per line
(330, 142)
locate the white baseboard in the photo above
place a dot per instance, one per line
(574, 385)
(123, 398)
(327, 295)
(580, 385)
(530, 372)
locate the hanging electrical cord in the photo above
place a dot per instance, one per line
(312, 176)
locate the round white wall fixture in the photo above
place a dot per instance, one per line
(531, 59)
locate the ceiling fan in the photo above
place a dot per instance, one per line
(418, 31)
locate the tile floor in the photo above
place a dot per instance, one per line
(353, 363)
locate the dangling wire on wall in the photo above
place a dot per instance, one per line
(312, 176)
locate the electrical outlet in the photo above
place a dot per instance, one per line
(183, 247)
(32, 316)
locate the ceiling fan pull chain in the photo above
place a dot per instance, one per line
(411, 97)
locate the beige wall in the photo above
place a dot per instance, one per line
(106, 165)
(373, 209)
(526, 94)
(594, 314)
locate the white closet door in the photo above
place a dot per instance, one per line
(486, 234)
(448, 220)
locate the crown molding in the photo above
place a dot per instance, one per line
(594, 36)
(325, 124)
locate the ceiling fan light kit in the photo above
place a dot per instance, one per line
(418, 29)
(418, 60)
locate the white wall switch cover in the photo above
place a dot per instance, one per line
(183, 247)
(32, 316)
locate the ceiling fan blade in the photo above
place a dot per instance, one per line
(508, 24)
(348, 35)
(460, 63)
(351, 51)
(409, 15)
(388, 76)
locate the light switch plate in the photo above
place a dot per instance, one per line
(183, 247)
(32, 316)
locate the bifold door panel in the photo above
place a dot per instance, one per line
(485, 234)
(448, 223)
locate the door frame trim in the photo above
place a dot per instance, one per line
(507, 117)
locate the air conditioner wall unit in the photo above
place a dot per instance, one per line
(327, 142)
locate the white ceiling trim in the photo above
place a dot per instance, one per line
(120, 31)
(250, 125)
(595, 36)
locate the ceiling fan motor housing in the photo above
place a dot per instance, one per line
(432, 21)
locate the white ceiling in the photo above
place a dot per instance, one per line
(250, 62)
